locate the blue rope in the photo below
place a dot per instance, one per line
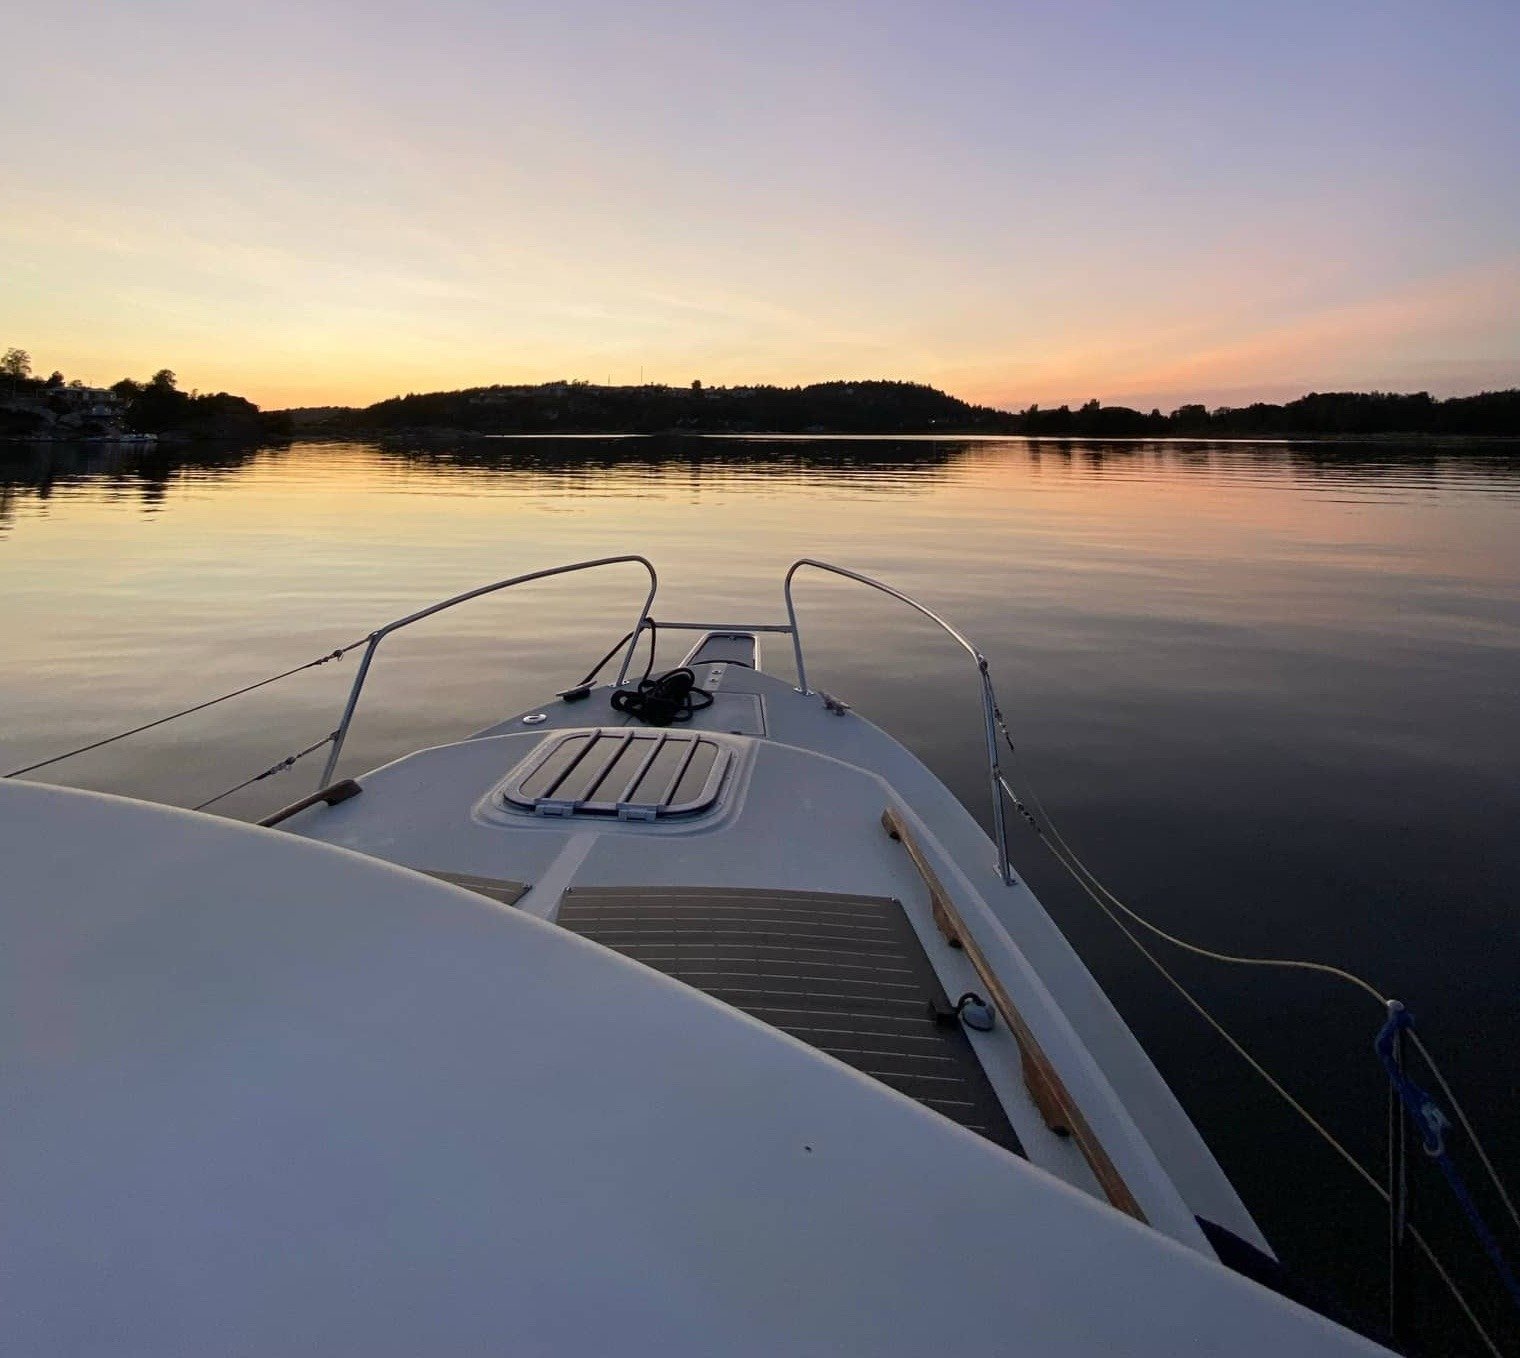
(1432, 1125)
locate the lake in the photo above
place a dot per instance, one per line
(1268, 691)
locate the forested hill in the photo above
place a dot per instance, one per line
(903, 408)
(1320, 414)
(579, 407)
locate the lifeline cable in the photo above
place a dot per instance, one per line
(269, 772)
(199, 707)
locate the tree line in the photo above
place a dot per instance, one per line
(884, 407)
(158, 406)
(579, 407)
(1319, 414)
(154, 406)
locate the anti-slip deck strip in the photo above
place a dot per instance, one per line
(845, 974)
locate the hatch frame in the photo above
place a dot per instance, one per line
(603, 802)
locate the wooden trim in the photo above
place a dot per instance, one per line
(495, 888)
(332, 795)
(1059, 1110)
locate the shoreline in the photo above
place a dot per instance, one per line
(442, 433)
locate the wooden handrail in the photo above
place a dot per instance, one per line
(332, 795)
(1059, 1110)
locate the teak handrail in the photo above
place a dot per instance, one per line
(332, 795)
(1059, 1110)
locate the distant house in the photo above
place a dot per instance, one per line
(42, 410)
(100, 403)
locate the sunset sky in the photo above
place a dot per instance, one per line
(322, 202)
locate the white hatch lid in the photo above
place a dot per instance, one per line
(633, 773)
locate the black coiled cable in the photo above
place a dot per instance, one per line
(669, 697)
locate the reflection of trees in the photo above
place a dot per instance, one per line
(891, 466)
(1452, 460)
(34, 470)
(578, 461)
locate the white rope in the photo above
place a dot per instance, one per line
(1089, 881)
(1109, 903)
(1075, 868)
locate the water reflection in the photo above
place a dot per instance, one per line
(106, 472)
(149, 476)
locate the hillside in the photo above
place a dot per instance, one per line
(879, 407)
(579, 407)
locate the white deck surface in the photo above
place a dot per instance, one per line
(263, 1096)
(802, 812)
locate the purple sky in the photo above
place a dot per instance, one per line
(1149, 203)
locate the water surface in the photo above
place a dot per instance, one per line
(1267, 690)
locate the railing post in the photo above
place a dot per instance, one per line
(994, 771)
(341, 734)
(379, 635)
(791, 617)
(989, 696)
(633, 641)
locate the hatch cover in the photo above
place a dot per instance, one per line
(629, 773)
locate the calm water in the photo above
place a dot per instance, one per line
(1268, 691)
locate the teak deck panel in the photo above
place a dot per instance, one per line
(845, 974)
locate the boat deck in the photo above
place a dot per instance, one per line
(800, 810)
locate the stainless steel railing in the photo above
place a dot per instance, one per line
(990, 711)
(379, 634)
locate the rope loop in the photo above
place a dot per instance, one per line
(1433, 1124)
(672, 697)
(1423, 1110)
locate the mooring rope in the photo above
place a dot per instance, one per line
(1433, 1124)
(1288, 963)
(1114, 908)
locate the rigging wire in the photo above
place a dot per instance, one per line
(1314, 1123)
(269, 772)
(185, 712)
(1085, 875)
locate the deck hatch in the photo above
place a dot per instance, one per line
(631, 773)
(845, 974)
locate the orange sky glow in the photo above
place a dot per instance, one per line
(328, 204)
